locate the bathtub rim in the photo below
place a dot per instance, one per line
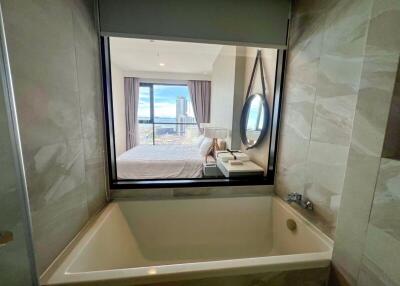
(182, 271)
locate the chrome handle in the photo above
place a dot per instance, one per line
(5, 237)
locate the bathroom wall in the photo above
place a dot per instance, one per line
(367, 246)
(341, 76)
(325, 61)
(55, 67)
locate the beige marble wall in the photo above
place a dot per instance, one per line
(361, 252)
(342, 66)
(381, 256)
(54, 58)
(325, 60)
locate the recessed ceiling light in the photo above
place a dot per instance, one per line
(162, 64)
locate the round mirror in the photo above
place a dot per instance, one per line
(254, 120)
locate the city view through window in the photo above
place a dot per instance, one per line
(166, 115)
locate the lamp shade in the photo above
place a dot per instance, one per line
(204, 125)
(215, 132)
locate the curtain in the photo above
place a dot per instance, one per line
(131, 91)
(200, 94)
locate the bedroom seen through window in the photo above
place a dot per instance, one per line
(165, 114)
(177, 110)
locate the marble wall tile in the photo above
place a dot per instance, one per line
(342, 63)
(345, 28)
(383, 37)
(40, 42)
(55, 177)
(354, 211)
(300, 86)
(381, 257)
(374, 99)
(55, 65)
(325, 60)
(47, 114)
(336, 96)
(325, 171)
(91, 98)
(370, 275)
(386, 205)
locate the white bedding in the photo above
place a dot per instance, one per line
(160, 162)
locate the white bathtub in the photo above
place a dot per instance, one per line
(139, 242)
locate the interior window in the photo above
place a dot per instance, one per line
(183, 110)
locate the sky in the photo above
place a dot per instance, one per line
(164, 100)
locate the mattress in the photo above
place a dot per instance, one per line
(160, 162)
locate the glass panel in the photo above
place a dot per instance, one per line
(176, 133)
(144, 111)
(14, 251)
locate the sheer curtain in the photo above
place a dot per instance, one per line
(200, 94)
(131, 90)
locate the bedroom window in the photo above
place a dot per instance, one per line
(165, 114)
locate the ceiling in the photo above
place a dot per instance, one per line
(163, 56)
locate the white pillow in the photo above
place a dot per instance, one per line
(199, 140)
(205, 146)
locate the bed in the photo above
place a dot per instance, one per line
(160, 162)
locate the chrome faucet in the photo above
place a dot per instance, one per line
(298, 199)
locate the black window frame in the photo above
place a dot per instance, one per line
(115, 183)
(151, 120)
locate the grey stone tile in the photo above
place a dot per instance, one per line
(326, 166)
(346, 27)
(39, 35)
(369, 277)
(57, 223)
(386, 204)
(291, 164)
(373, 104)
(95, 185)
(381, 257)
(54, 59)
(46, 114)
(354, 212)
(56, 176)
(383, 37)
(336, 95)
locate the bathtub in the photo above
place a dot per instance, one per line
(153, 241)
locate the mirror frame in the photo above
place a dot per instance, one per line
(244, 119)
(117, 184)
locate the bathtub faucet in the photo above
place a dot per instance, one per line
(298, 199)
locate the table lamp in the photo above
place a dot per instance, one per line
(215, 133)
